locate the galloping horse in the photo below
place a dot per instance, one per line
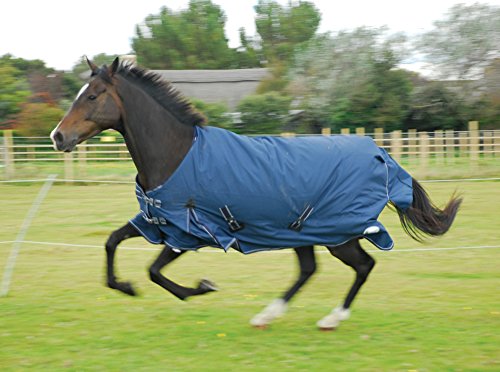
(203, 186)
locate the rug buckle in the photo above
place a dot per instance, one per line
(297, 224)
(234, 225)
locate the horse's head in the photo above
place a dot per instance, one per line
(96, 108)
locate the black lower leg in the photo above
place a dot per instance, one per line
(354, 256)
(166, 256)
(125, 232)
(307, 263)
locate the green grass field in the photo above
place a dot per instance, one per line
(421, 310)
(437, 168)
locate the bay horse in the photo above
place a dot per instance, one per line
(203, 186)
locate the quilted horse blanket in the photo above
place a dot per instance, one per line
(261, 193)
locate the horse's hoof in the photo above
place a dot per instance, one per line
(333, 320)
(127, 288)
(207, 286)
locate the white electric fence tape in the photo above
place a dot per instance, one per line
(16, 246)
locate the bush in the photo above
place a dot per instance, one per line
(216, 113)
(264, 114)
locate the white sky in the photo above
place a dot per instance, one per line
(59, 32)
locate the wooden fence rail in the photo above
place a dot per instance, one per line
(442, 147)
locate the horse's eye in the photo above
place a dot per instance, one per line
(92, 97)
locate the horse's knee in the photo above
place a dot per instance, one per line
(119, 235)
(363, 270)
(307, 261)
(308, 270)
(154, 274)
(112, 241)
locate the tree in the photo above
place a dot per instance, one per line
(350, 80)
(486, 109)
(14, 89)
(190, 39)
(434, 106)
(38, 119)
(26, 66)
(487, 112)
(465, 42)
(45, 83)
(248, 54)
(282, 28)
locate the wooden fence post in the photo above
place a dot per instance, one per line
(496, 142)
(379, 136)
(68, 166)
(463, 143)
(345, 131)
(438, 146)
(360, 131)
(396, 145)
(488, 143)
(326, 131)
(474, 140)
(82, 159)
(412, 143)
(449, 140)
(8, 153)
(424, 151)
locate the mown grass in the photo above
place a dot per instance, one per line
(420, 310)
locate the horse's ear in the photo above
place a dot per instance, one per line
(92, 65)
(114, 66)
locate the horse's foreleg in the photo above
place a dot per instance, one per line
(125, 232)
(354, 256)
(307, 263)
(166, 256)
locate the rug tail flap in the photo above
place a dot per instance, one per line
(400, 185)
(377, 234)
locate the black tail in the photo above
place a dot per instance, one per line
(424, 218)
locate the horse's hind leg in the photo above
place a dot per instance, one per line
(354, 256)
(125, 232)
(307, 263)
(168, 255)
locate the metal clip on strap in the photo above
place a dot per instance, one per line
(297, 224)
(234, 225)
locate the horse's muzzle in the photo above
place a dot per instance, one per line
(60, 142)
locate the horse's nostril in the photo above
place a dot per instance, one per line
(58, 137)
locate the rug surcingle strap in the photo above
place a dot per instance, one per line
(297, 224)
(234, 225)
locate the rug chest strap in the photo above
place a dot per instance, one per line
(234, 225)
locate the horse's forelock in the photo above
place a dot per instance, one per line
(103, 73)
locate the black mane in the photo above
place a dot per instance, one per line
(163, 92)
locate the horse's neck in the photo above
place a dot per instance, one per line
(157, 146)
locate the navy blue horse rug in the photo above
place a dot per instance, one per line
(261, 193)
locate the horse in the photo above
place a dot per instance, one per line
(172, 147)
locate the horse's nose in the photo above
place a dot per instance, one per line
(57, 139)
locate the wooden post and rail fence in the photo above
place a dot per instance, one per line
(439, 146)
